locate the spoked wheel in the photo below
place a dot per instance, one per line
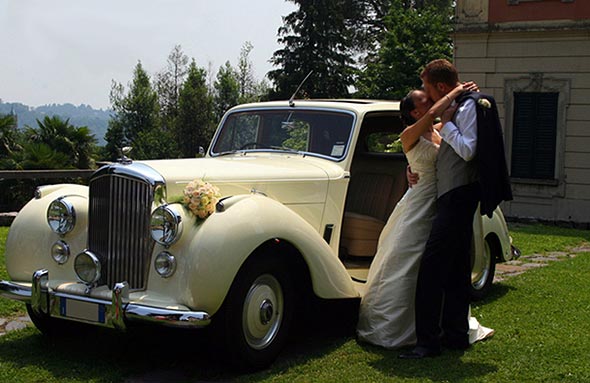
(257, 313)
(483, 270)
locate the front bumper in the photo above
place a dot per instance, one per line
(116, 313)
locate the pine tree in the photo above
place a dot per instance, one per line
(168, 84)
(195, 117)
(317, 37)
(227, 90)
(136, 121)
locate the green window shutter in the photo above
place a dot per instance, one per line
(534, 135)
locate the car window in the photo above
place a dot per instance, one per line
(384, 142)
(319, 132)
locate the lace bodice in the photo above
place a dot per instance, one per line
(422, 160)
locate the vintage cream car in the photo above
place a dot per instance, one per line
(304, 190)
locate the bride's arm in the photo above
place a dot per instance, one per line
(410, 135)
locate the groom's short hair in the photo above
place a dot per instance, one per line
(440, 70)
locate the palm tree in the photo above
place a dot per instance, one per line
(77, 143)
(8, 136)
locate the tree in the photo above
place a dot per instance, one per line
(195, 125)
(245, 75)
(227, 90)
(168, 84)
(316, 37)
(416, 32)
(136, 121)
(9, 136)
(57, 140)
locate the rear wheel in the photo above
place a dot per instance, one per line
(258, 312)
(483, 270)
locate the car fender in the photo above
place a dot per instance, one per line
(211, 252)
(29, 241)
(497, 226)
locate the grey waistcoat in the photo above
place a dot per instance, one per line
(453, 171)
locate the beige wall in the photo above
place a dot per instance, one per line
(516, 57)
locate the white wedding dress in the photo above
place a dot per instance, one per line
(386, 316)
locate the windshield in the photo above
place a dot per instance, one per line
(318, 132)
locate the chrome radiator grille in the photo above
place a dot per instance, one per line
(118, 232)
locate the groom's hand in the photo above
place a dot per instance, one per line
(412, 178)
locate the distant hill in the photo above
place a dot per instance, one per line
(95, 119)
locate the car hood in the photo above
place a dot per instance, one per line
(287, 178)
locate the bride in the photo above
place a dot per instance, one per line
(386, 316)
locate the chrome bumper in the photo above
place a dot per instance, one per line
(115, 313)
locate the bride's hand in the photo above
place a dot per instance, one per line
(448, 114)
(470, 86)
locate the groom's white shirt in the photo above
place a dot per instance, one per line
(461, 135)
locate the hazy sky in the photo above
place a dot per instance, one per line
(58, 51)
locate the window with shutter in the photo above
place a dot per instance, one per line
(534, 135)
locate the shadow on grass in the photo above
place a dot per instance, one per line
(107, 355)
(161, 354)
(157, 354)
(449, 367)
(497, 291)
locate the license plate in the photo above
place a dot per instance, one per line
(87, 311)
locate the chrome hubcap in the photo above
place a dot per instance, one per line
(263, 312)
(266, 311)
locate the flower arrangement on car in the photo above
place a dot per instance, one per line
(200, 197)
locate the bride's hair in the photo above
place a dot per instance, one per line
(406, 107)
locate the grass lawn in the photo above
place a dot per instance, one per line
(540, 318)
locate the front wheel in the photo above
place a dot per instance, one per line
(483, 270)
(258, 313)
(49, 326)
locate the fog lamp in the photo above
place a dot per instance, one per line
(165, 264)
(87, 267)
(60, 252)
(61, 216)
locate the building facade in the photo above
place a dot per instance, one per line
(533, 56)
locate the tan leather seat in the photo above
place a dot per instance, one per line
(360, 234)
(371, 199)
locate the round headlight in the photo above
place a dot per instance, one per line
(165, 225)
(60, 252)
(165, 264)
(61, 216)
(87, 267)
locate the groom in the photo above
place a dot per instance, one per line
(467, 172)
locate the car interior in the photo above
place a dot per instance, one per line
(377, 183)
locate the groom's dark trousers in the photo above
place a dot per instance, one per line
(442, 295)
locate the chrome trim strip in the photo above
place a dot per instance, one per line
(134, 170)
(13, 291)
(46, 301)
(286, 108)
(167, 317)
(39, 296)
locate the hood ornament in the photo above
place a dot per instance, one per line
(125, 150)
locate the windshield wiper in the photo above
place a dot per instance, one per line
(227, 152)
(287, 149)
